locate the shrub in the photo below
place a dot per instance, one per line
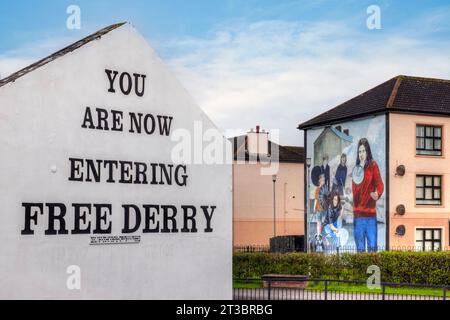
(396, 267)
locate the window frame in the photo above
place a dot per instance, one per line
(422, 201)
(434, 152)
(424, 239)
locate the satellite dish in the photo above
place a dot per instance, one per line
(401, 230)
(358, 174)
(400, 171)
(400, 209)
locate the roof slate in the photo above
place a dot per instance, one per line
(282, 153)
(399, 94)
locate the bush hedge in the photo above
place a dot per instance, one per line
(396, 267)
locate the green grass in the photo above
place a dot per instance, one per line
(362, 288)
(345, 287)
(256, 284)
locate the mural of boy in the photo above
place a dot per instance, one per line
(341, 175)
(357, 170)
(325, 170)
(320, 206)
(367, 187)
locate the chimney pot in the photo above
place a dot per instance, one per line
(258, 141)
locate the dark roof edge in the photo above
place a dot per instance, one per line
(387, 111)
(419, 112)
(299, 156)
(403, 77)
(306, 123)
(349, 118)
(97, 35)
(391, 100)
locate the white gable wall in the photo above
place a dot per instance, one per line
(40, 129)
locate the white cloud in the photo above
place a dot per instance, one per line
(9, 65)
(14, 60)
(432, 20)
(279, 74)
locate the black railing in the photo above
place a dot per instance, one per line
(301, 288)
(252, 248)
(346, 249)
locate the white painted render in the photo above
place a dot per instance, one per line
(41, 115)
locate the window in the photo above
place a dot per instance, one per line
(428, 239)
(428, 190)
(429, 140)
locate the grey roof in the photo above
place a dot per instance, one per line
(399, 94)
(95, 36)
(298, 150)
(282, 153)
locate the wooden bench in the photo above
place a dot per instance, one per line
(285, 281)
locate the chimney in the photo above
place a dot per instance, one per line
(347, 132)
(258, 142)
(339, 128)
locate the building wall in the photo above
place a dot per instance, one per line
(402, 189)
(372, 129)
(253, 203)
(327, 143)
(41, 117)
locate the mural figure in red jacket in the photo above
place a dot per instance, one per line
(367, 186)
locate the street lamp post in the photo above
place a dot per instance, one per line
(308, 166)
(274, 180)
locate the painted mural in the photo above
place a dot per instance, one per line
(346, 207)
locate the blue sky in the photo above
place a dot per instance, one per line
(24, 21)
(248, 62)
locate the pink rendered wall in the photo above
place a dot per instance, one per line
(253, 203)
(402, 189)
